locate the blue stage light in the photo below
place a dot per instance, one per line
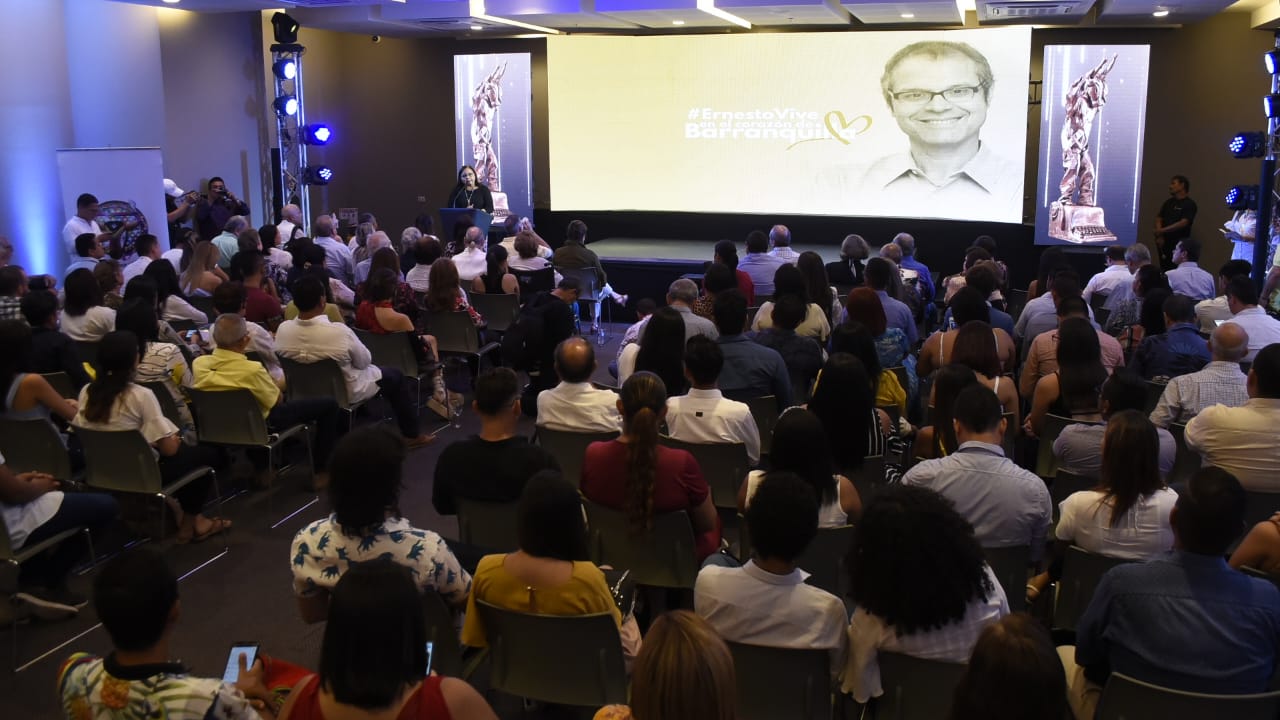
(316, 134)
(1242, 197)
(1248, 145)
(285, 69)
(286, 105)
(1271, 106)
(317, 175)
(1271, 61)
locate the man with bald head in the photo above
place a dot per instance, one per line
(338, 259)
(780, 241)
(575, 405)
(1242, 440)
(290, 218)
(1220, 382)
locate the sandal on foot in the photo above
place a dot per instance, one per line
(216, 526)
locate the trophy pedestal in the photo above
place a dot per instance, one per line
(1079, 224)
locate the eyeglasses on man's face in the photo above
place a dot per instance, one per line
(956, 94)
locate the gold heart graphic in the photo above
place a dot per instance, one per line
(838, 126)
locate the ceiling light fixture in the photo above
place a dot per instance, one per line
(677, 22)
(477, 28)
(907, 16)
(1160, 12)
(171, 2)
(478, 12)
(709, 7)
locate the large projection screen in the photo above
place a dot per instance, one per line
(793, 123)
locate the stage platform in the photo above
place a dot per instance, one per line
(633, 249)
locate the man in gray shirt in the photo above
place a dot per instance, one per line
(1007, 505)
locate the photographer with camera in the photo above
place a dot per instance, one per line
(215, 209)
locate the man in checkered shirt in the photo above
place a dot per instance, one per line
(13, 285)
(1220, 382)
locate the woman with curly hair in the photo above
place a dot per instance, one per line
(636, 475)
(920, 583)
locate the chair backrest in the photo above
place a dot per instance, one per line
(86, 352)
(1154, 391)
(488, 525)
(824, 558)
(915, 688)
(61, 382)
(568, 660)
(662, 557)
(454, 331)
(499, 309)
(1010, 434)
(1126, 698)
(782, 682)
(446, 651)
(765, 411)
(322, 378)
(1187, 461)
(534, 281)
(119, 460)
(724, 466)
(228, 417)
(1081, 573)
(588, 282)
(1066, 483)
(1017, 300)
(1046, 463)
(168, 406)
(34, 445)
(391, 350)
(1010, 567)
(569, 448)
(204, 304)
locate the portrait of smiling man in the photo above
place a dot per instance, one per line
(939, 93)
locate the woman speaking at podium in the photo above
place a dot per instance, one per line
(469, 193)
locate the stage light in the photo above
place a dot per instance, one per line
(1161, 12)
(284, 28)
(1242, 197)
(285, 68)
(316, 134)
(1271, 60)
(1271, 106)
(1248, 145)
(286, 105)
(317, 175)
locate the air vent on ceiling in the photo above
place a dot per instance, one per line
(998, 10)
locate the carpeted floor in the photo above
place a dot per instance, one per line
(240, 591)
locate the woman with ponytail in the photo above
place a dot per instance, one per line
(636, 475)
(114, 402)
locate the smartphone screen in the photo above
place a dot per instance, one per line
(430, 651)
(249, 650)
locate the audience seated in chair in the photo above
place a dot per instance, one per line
(1039, 316)
(1042, 356)
(1074, 390)
(1227, 625)
(1013, 674)
(938, 439)
(1179, 350)
(227, 368)
(113, 402)
(550, 573)
(636, 475)
(229, 299)
(842, 401)
(984, 277)
(1210, 312)
(813, 323)
(575, 405)
(968, 305)
(25, 395)
(659, 350)
(375, 606)
(1220, 382)
(554, 323)
(574, 254)
(364, 492)
(800, 448)
(750, 369)
(704, 414)
(13, 287)
(802, 354)
(1260, 549)
(1008, 506)
(497, 278)
(51, 351)
(135, 595)
(976, 348)
(1242, 299)
(766, 601)
(937, 609)
(161, 362)
(854, 338)
(1113, 275)
(1076, 447)
(313, 337)
(84, 318)
(717, 278)
(683, 672)
(172, 302)
(864, 308)
(493, 465)
(425, 252)
(1127, 515)
(1242, 440)
(879, 276)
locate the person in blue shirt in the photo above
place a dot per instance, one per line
(751, 370)
(907, 244)
(1179, 350)
(878, 274)
(1185, 620)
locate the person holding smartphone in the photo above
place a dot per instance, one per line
(215, 209)
(136, 597)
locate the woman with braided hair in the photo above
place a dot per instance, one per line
(636, 475)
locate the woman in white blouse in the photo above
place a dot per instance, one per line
(84, 318)
(920, 583)
(113, 402)
(1127, 515)
(800, 446)
(172, 303)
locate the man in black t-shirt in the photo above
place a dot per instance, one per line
(494, 465)
(1174, 221)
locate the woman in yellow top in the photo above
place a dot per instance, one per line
(549, 574)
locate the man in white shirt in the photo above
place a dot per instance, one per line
(1188, 278)
(83, 222)
(228, 241)
(1209, 312)
(766, 602)
(89, 251)
(311, 338)
(575, 405)
(290, 218)
(1135, 257)
(338, 259)
(1115, 275)
(471, 261)
(780, 241)
(705, 415)
(1218, 383)
(1242, 440)
(148, 247)
(376, 241)
(1242, 299)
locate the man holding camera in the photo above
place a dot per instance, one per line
(215, 209)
